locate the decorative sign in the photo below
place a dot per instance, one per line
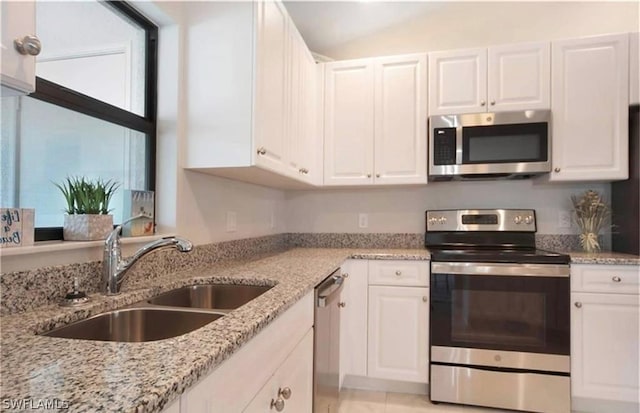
(138, 203)
(16, 227)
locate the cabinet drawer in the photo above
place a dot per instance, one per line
(399, 272)
(623, 279)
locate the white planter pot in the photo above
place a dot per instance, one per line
(87, 227)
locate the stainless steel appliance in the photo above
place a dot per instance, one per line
(326, 370)
(499, 316)
(490, 145)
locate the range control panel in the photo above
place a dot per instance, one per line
(517, 220)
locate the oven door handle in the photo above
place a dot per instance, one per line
(512, 270)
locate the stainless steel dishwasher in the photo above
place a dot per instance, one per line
(326, 351)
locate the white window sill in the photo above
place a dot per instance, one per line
(49, 253)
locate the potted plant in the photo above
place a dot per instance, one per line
(88, 217)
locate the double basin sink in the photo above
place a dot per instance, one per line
(167, 315)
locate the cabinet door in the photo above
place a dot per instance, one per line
(634, 69)
(400, 144)
(604, 346)
(308, 146)
(590, 102)
(353, 321)
(294, 99)
(348, 124)
(295, 374)
(270, 110)
(457, 81)
(18, 71)
(398, 333)
(519, 77)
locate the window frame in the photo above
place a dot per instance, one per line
(58, 95)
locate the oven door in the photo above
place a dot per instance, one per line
(519, 310)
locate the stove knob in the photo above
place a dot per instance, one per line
(442, 220)
(433, 221)
(517, 220)
(528, 219)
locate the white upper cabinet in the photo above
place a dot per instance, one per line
(18, 67)
(519, 77)
(590, 84)
(400, 131)
(457, 81)
(634, 69)
(348, 123)
(273, 57)
(500, 78)
(250, 94)
(375, 121)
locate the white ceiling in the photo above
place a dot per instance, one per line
(328, 24)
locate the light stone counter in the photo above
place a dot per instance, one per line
(144, 377)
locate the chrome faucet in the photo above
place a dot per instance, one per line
(114, 268)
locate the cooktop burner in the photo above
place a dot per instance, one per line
(501, 255)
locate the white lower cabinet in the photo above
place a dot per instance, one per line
(292, 384)
(605, 339)
(398, 333)
(384, 331)
(280, 356)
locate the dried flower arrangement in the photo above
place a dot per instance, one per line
(591, 214)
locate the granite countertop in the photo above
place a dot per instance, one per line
(610, 258)
(144, 377)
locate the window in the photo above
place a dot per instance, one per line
(93, 113)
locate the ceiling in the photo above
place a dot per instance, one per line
(325, 25)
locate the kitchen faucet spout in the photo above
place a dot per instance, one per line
(115, 269)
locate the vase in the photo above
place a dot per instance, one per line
(589, 242)
(87, 227)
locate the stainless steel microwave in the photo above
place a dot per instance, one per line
(490, 145)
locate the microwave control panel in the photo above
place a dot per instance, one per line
(444, 146)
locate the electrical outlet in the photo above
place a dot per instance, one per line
(564, 219)
(232, 221)
(363, 220)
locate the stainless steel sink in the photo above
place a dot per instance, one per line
(210, 296)
(135, 325)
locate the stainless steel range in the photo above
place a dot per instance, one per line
(499, 320)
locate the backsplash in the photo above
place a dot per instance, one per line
(26, 290)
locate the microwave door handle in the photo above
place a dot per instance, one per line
(459, 145)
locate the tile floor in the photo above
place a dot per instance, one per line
(360, 401)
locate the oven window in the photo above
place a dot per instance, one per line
(526, 314)
(491, 317)
(505, 143)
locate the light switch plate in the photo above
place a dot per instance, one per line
(564, 219)
(363, 220)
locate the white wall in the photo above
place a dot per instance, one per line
(402, 209)
(456, 25)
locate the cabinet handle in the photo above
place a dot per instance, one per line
(278, 404)
(578, 304)
(28, 45)
(284, 393)
(377, 175)
(493, 102)
(368, 175)
(616, 279)
(262, 151)
(345, 275)
(341, 304)
(482, 103)
(556, 170)
(301, 170)
(398, 273)
(425, 299)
